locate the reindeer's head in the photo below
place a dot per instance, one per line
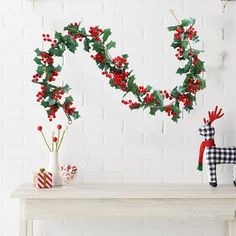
(207, 131)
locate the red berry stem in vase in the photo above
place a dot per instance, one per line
(59, 127)
(40, 128)
(62, 137)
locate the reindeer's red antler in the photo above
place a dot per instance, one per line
(213, 115)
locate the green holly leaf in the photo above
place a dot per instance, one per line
(110, 45)
(125, 56)
(111, 82)
(71, 45)
(38, 61)
(131, 83)
(175, 108)
(98, 47)
(184, 44)
(109, 61)
(58, 36)
(148, 88)
(175, 93)
(195, 39)
(187, 22)
(66, 88)
(202, 84)
(86, 45)
(45, 104)
(83, 32)
(172, 28)
(57, 50)
(51, 101)
(38, 52)
(106, 34)
(182, 89)
(159, 97)
(69, 99)
(175, 44)
(76, 115)
(153, 110)
(201, 65)
(180, 71)
(175, 118)
(73, 29)
(58, 68)
(187, 67)
(100, 65)
(186, 54)
(106, 66)
(40, 70)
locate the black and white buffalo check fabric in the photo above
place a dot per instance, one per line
(207, 132)
(216, 155)
(219, 155)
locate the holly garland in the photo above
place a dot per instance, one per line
(117, 71)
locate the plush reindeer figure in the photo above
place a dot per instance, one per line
(214, 155)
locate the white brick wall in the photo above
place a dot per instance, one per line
(110, 143)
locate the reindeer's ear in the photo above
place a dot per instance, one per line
(205, 121)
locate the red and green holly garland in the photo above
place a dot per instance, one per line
(117, 71)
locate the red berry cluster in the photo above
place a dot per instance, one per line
(180, 52)
(167, 95)
(95, 32)
(179, 32)
(191, 33)
(142, 90)
(149, 98)
(131, 104)
(68, 109)
(119, 78)
(57, 94)
(75, 24)
(119, 61)
(52, 112)
(193, 86)
(53, 75)
(46, 37)
(169, 111)
(46, 58)
(77, 36)
(36, 77)
(185, 100)
(99, 58)
(41, 93)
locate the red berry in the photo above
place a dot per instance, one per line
(54, 139)
(59, 127)
(40, 128)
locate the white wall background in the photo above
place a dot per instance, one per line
(110, 143)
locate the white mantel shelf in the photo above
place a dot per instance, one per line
(136, 201)
(95, 191)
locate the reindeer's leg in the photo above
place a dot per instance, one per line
(234, 175)
(213, 182)
(211, 170)
(207, 170)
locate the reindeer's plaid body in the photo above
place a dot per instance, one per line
(219, 155)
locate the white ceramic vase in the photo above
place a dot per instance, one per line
(54, 168)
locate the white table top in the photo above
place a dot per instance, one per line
(136, 191)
